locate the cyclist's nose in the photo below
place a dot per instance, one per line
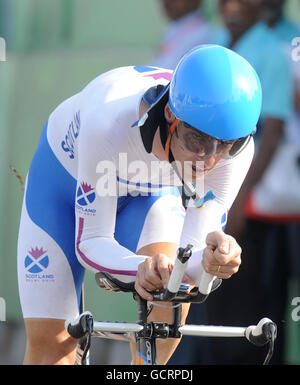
(208, 161)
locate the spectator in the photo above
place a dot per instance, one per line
(288, 156)
(258, 291)
(286, 31)
(187, 29)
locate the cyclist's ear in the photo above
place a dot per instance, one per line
(169, 116)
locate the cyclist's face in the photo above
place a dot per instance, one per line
(194, 166)
(200, 144)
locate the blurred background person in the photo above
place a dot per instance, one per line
(187, 28)
(261, 288)
(286, 215)
(286, 30)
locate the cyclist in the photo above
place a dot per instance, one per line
(103, 190)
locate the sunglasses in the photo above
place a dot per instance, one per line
(203, 145)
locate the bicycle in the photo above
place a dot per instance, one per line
(145, 334)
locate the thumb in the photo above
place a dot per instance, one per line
(220, 240)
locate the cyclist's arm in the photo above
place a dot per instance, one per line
(96, 247)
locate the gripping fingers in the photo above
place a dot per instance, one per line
(223, 271)
(153, 274)
(163, 269)
(217, 265)
(219, 271)
(142, 292)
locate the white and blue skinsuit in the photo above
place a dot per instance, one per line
(68, 225)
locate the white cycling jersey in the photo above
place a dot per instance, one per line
(108, 109)
(90, 159)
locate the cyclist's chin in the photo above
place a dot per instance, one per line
(193, 174)
(192, 168)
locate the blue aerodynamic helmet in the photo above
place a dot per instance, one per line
(216, 91)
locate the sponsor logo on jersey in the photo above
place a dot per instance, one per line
(68, 144)
(36, 263)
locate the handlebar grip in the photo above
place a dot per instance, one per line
(206, 282)
(262, 333)
(177, 274)
(78, 327)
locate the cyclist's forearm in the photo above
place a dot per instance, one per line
(106, 254)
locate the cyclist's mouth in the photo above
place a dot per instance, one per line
(199, 170)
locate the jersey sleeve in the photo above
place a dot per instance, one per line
(221, 187)
(96, 206)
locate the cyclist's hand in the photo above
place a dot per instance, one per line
(153, 274)
(222, 256)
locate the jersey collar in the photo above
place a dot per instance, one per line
(154, 117)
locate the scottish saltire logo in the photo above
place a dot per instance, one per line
(36, 260)
(85, 194)
(36, 263)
